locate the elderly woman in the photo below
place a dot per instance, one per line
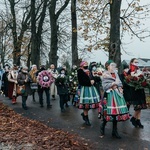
(115, 108)
(24, 79)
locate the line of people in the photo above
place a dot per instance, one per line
(87, 87)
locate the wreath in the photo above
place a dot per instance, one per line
(45, 79)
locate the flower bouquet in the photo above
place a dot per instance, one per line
(139, 82)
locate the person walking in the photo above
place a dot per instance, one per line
(12, 84)
(62, 88)
(115, 109)
(126, 88)
(138, 95)
(5, 80)
(53, 88)
(88, 95)
(24, 78)
(44, 79)
(34, 85)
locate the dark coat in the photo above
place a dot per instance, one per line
(127, 90)
(83, 78)
(62, 85)
(21, 81)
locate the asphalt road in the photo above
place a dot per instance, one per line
(70, 120)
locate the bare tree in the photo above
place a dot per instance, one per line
(18, 36)
(37, 20)
(54, 15)
(114, 48)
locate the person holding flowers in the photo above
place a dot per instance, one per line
(137, 81)
(62, 88)
(114, 108)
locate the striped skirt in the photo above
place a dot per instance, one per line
(87, 97)
(115, 107)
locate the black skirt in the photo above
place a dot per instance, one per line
(138, 98)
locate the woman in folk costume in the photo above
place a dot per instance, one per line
(12, 85)
(138, 95)
(115, 108)
(89, 97)
(53, 88)
(33, 75)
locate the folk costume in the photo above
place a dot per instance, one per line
(12, 85)
(115, 108)
(138, 96)
(88, 95)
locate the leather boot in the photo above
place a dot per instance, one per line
(87, 122)
(133, 120)
(83, 116)
(115, 132)
(102, 127)
(138, 122)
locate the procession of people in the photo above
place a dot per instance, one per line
(87, 86)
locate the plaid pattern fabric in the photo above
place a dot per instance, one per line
(89, 95)
(87, 98)
(116, 103)
(115, 107)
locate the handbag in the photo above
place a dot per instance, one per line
(20, 89)
(34, 86)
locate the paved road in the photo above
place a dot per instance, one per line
(132, 138)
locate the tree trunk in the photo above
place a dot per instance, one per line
(114, 49)
(54, 42)
(36, 31)
(34, 51)
(74, 33)
(54, 29)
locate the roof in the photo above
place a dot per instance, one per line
(143, 62)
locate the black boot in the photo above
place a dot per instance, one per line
(83, 116)
(87, 122)
(24, 106)
(102, 127)
(134, 123)
(115, 132)
(138, 122)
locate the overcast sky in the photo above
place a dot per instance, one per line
(134, 48)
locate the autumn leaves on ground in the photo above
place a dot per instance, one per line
(16, 130)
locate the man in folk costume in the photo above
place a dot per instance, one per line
(12, 85)
(115, 108)
(53, 88)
